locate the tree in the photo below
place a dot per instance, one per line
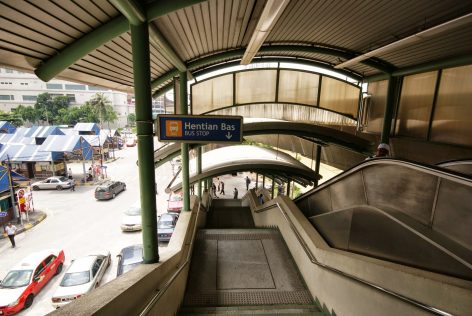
(27, 113)
(103, 108)
(47, 108)
(13, 118)
(131, 119)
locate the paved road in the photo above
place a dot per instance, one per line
(80, 225)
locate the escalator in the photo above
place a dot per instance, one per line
(397, 211)
(237, 269)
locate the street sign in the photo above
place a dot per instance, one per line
(3, 214)
(200, 128)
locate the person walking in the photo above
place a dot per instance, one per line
(219, 184)
(213, 190)
(261, 199)
(235, 193)
(69, 174)
(248, 181)
(222, 188)
(11, 231)
(72, 187)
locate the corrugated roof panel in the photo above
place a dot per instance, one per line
(60, 143)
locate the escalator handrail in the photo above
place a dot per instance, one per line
(433, 170)
(312, 258)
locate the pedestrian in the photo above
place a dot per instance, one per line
(219, 184)
(11, 230)
(261, 199)
(280, 190)
(222, 188)
(69, 174)
(383, 150)
(72, 187)
(248, 181)
(192, 189)
(235, 193)
(213, 190)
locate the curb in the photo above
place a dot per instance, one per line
(27, 226)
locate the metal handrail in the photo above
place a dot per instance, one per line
(166, 285)
(313, 259)
(433, 170)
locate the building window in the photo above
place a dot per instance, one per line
(95, 88)
(9, 71)
(75, 87)
(30, 97)
(53, 95)
(54, 86)
(24, 83)
(5, 82)
(7, 97)
(71, 98)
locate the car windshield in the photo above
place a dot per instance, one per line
(131, 266)
(165, 222)
(101, 189)
(133, 211)
(133, 255)
(63, 179)
(17, 278)
(175, 198)
(75, 278)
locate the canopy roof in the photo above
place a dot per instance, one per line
(93, 45)
(19, 153)
(239, 158)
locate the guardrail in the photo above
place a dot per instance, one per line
(176, 274)
(311, 256)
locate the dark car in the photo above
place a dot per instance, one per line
(129, 258)
(109, 190)
(166, 225)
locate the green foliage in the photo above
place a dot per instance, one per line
(132, 119)
(103, 108)
(27, 113)
(13, 118)
(47, 108)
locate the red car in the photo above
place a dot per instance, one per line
(175, 203)
(19, 287)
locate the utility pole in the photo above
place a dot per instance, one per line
(12, 193)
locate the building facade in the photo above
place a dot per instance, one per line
(19, 88)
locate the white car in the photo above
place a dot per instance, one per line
(131, 220)
(57, 183)
(83, 275)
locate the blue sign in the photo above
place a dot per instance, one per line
(199, 128)
(3, 214)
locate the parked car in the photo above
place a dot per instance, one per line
(175, 203)
(131, 219)
(166, 225)
(25, 280)
(57, 183)
(129, 258)
(83, 275)
(131, 142)
(109, 190)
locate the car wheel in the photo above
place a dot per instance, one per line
(59, 188)
(59, 269)
(35, 188)
(114, 195)
(29, 301)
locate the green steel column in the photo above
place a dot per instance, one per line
(389, 109)
(144, 124)
(317, 163)
(199, 170)
(183, 146)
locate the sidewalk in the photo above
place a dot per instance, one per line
(35, 218)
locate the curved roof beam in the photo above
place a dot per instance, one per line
(238, 53)
(237, 158)
(271, 13)
(314, 133)
(100, 36)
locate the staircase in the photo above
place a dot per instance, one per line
(244, 272)
(225, 213)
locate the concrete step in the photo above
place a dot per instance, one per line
(225, 202)
(278, 310)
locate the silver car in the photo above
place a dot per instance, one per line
(83, 275)
(57, 183)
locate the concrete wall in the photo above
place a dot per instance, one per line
(349, 297)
